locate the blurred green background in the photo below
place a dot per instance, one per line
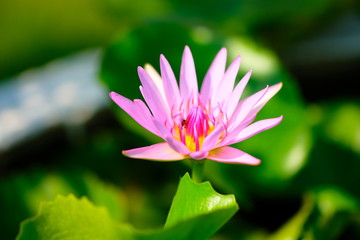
(307, 184)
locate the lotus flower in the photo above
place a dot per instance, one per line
(197, 124)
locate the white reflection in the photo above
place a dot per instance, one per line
(11, 121)
(63, 92)
(65, 95)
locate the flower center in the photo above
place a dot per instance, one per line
(193, 128)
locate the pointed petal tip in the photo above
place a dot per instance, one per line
(237, 59)
(140, 69)
(236, 62)
(279, 85)
(249, 73)
(276, 87)
(223, 50)
(113, 94)
(255, 163)
(279, 119)
(123, 152)
(163, 61)
(148, 66)
(187, 51)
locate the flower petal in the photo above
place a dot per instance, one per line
(272, 90)
(256, 128)
(188, 80)
(199, 155)
(137, 110)
(234, 97)
(232, 155)
(154, 75)
(170, 85)
(153, 96)
(244, 107)
(227, 83)
(213, 77)
(269, 94)
(212, 139)
(240, 118)
(159, 151)
(167, 136)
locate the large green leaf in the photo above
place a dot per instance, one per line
(197, 212)
(194, 199)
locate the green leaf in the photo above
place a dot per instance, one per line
(197, 212)
(68, 218)
(200, 200)
(21, 195)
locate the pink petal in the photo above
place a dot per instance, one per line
(188, 80)
(256, 128)
(232, 155)
(167, 136)
(227, 83)
(159, 151)
(244, 107)
(212, 139)
(261, 103)
(170, 86)
(152, 96)
(199, 155)
(269, 94)
(156, 78)
(213, 76)
(234, 98)
(177, 145)
(137, 110)
(240, 118)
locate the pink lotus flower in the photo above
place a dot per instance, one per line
(195, 124)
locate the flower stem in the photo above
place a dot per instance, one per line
(197, 170)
